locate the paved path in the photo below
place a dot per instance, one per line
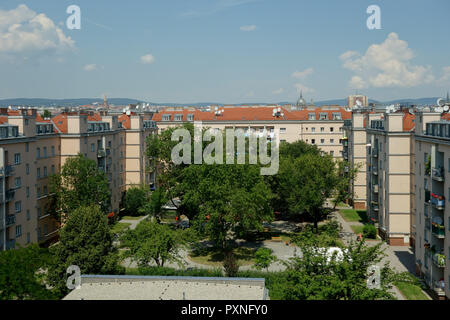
(133, 223)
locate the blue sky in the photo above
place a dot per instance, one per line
(228, 51)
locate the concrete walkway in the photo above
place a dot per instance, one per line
(134, 223)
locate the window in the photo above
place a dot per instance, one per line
(28, 192)
(18, 206)
(322, 129)
(45, 152)
(322, 141)
(18, 182)
(27, 168)
(92, 147)
(311, 116)
(282, 130)
(313, 141)
(109, 144)
(332, 141)
(190, 117)
(27, 146)
(178, 117)
(85, 140)
(166, 117)
(337, 116)
(53, 169)
(38, 192)
(45, 190)
(18, 231)
(332, 153)
(340, 129)
(53, 151)
(313, 129)
(38, 153)
(38, 173)
(17, 158)
(323, 116)
(28, 237)
(45, 229)
(28, 215)
(39, 213)
(331, 129)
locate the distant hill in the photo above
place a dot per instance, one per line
(125, 101)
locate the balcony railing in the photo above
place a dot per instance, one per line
(438, 174)
(10, 220)
(437, 201)
(375, 170)
(438, 230)
(375, 188)
(375, 153)
(427, 196)
(7, 171)
(10, 244)
(9, 196)
(439, 260)
(101, 153)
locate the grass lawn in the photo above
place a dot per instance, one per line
(131, 218)
(213, 257)
(357, 229)
(352, 215)
(411, 291)
(119, 227)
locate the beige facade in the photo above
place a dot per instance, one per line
(432, 214)
(355, 150)
(32, 149)
(390, 176)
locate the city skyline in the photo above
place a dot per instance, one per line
(232, 51)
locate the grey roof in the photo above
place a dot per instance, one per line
(95, 287)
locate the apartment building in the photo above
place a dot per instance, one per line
(432, 215)
(355, 151)
(32, 149)
(319, 126)
(390, 175)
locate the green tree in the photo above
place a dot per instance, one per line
(318, 275)
(346, 175)
(80, 183)
(153, 242)
(305, 183)
(232, 199)
(46, 114)
(154, 206)
(135, 199)
(264, 257)
(85, 241)
(22, 274)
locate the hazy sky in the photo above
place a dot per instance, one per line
(226, 51)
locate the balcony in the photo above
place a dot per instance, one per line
(427, 196)
(438, 174)
(375, 188)
(439, 260)
(375, 153)
(439, 288)
(7, 171)
(375, 170)
(437, 201)
(101, 153)
(10, 244)
(345, 155)
(10, 220)
(9, 196)
(438, 230)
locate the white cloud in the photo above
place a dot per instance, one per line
(303, 88)
(445, 75)
(90, 67)
(386, 65)
(147, 59)
(278, 91)
(303, 74)
(248, 28)
(24, 32)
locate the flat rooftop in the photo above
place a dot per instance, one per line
(101, 287)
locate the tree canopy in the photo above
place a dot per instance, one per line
(85, 241)
(80, 183)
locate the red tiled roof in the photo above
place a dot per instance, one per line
(408, 121)
(3, 120)
(126, 122)
(60, 122)
(94, 117)
(250, 114)
(445, 116)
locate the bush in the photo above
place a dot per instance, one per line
(369, 231)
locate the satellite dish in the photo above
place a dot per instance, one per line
(439, 109)
(128, 112)
(411, 111)
(446, 108)
(358, 102)
(440, 102)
